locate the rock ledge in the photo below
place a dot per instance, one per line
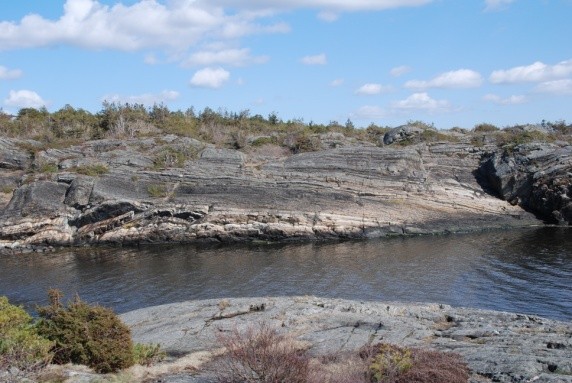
(498, 346)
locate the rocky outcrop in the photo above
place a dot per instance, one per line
(498, 347)
(402, 133)
(537, 177)
(179, 190)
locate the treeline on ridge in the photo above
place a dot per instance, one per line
(68, 126)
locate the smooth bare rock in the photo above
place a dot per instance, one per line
(38, 199)
(12, 154)
(499, 347)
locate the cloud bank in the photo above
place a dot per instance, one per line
(535, 72)
(462, 78)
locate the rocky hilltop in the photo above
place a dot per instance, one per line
(178, 189)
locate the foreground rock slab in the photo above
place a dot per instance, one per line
(498, 347)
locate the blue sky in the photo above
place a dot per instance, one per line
(447, 62)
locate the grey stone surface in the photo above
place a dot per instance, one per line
(498, 347)
(402, 133)
(537, 177)
(12, 154)
(350, 191)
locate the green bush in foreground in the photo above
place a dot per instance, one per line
(389, 362)
(85, 334)
(394, 364)
(20, 344)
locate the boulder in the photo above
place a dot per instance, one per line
(402, 133)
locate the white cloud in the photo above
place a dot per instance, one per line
(320, 59)
(328, 16)
(171, 25)
(333, 5)
(240, 28)
(150, 59)
(337, 82)
(535, 72)
(237, 57)
(556, 87)
(210, 78)
(495, 5)
(145, 98)
(9, 74)
(512, 100)
(372, 89)
(399, 70)
(421, 101)
(462, 78)
(24, 99)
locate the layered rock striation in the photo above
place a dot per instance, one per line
(173, 189)
(537, 177)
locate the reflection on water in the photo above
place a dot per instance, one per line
(527, 271)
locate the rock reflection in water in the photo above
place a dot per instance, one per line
(527, 271)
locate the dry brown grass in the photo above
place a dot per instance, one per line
(264, 355)
(261, 355)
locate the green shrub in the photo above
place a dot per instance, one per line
(265, 140)
(86, 334)
(485, 128)
(157, 191)
(173, 157)
(147, 354)
(48, 167)
(20, 344)
(394, 364)
(91, 170)
(389, 362)
(7, 189)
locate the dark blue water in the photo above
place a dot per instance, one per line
(526, 271)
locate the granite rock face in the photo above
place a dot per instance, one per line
(498, 347)
(173, 189)
(537, 177)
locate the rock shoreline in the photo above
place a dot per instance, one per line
(498, 346)
(113, 192)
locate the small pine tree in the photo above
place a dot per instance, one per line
(86, 334)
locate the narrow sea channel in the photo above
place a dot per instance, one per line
(525, 271)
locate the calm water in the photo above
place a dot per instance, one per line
(528, 271)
